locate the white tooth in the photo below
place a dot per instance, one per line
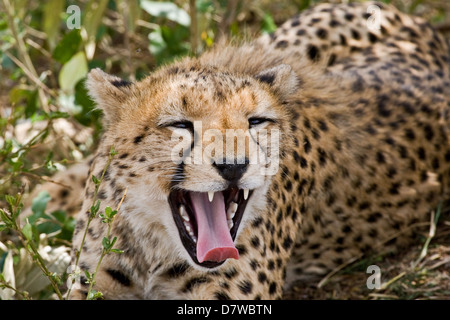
(246, 191)
(188, 227)
(230, 224)
(232, 210)
(210, 196)
(194, 238)
(183, 213)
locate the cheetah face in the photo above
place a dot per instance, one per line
(212, 140)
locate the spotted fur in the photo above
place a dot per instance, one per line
(365, 153)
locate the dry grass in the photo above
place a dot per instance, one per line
(405, 275)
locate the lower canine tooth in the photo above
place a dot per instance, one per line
(246, 191)
(183, 213)
(232, 210)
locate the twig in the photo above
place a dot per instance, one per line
(382, 296)
(227, 18)
(394, 279)
(352, 260)
(336, 270)
(25, 59)
(194, 28)
(92, 215)
(35, 176)
(125, 16)
(443, 27)
(30, 75)
(431, 235)
(25, 295)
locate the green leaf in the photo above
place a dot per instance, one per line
(157, 43)
(5, 218)
(304, 4)
(112, 151)
(68, 46)
(106, 243)
(59, 215)
(72, 72)
(94, 295)
(95, 208)
(166, 43)
(56, 278)
(27, 231)
(39, 203)
(204, 6)
(57, 115)
(167, 10)
(11, 200)
(95, 180)
(88, 114)
(118, 251)
(267, 24)
(108, 211)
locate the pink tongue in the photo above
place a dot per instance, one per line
(214, 241)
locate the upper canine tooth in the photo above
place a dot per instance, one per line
(183, 213)
(246, 191)
(210, 196)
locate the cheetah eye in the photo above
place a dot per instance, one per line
(252, 122)
(181, 125)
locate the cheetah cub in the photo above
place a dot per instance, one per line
(252, 167)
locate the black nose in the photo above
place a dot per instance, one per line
(231, 172)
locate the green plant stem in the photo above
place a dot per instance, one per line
(26, 146)
(28, 244)
(104, 251)
(91, 217)
(24, 294)
(34, 254)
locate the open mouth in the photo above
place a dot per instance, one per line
(208, 223)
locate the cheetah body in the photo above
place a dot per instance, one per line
(364, 154)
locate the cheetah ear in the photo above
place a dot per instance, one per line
(282, 79)
(109, 92)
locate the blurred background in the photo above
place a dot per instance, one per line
(47, 121)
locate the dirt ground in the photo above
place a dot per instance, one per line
(403, 275)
